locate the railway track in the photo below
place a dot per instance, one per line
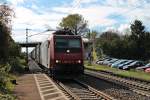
(137, 80)
(113, 89)
(138, 87)
(71, 90)
(81, 91)
(76, 90)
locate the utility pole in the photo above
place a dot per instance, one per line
(90, 50)
(27, 43)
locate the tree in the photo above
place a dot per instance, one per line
(4, 35)
(106, 43)
(139, 38)
(129, 46)
(6, 13)
(137, 30)
(109, 35)
(5, 31)
(75, 23)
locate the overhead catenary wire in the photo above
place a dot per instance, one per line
(42, 32)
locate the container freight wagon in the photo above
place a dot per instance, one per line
(62, 54)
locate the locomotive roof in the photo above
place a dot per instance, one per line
(63, 32)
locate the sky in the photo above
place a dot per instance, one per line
(102, 15)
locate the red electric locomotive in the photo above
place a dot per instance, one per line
(61, 55)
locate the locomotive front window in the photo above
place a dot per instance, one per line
(74, 43)
(67, 43)
(61, 43)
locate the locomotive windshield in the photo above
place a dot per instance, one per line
(67, 43)
(64, 44)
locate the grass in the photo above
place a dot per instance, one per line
(7, 97)
(131, 73)
(23, 62)
(9, 84)
(6, 88)
(14, 68)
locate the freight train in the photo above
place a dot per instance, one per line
(61, 55)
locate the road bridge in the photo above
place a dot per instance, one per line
(34, 44)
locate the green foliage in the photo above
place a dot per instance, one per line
(4, 44)
(5, 68)
(131, 73)
(134, 46)
(9, 62)
(14, 50)
(16, 65)
(23, 62)
(107, 42)
(140, 39)
(75, 22)
(4, 77)
(22, 55)
(6, 86)
(5, 31)
(109, 36)
(7, 97)
(3, 80)
(137, 30)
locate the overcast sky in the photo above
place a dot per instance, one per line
(101, 15)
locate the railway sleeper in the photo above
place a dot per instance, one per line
(87, 93)
(127, 82)
(94, 98)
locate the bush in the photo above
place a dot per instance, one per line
(7, 97)
(4, 69)
(5, 80)
(6, 85)
(23, 62)
(16, 66)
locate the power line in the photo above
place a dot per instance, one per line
(27, 42)
(42, 32)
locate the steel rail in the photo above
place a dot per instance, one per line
(69, 92)
(99, 93)
(133, 86)
(88, 94)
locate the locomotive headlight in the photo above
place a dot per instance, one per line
(79, 61)
(57, 61)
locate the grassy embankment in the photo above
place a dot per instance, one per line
(131, 73)
(8, 73)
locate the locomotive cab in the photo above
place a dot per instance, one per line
(61, 55)
(68, 55)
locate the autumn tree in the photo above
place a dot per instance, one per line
(75, 23)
